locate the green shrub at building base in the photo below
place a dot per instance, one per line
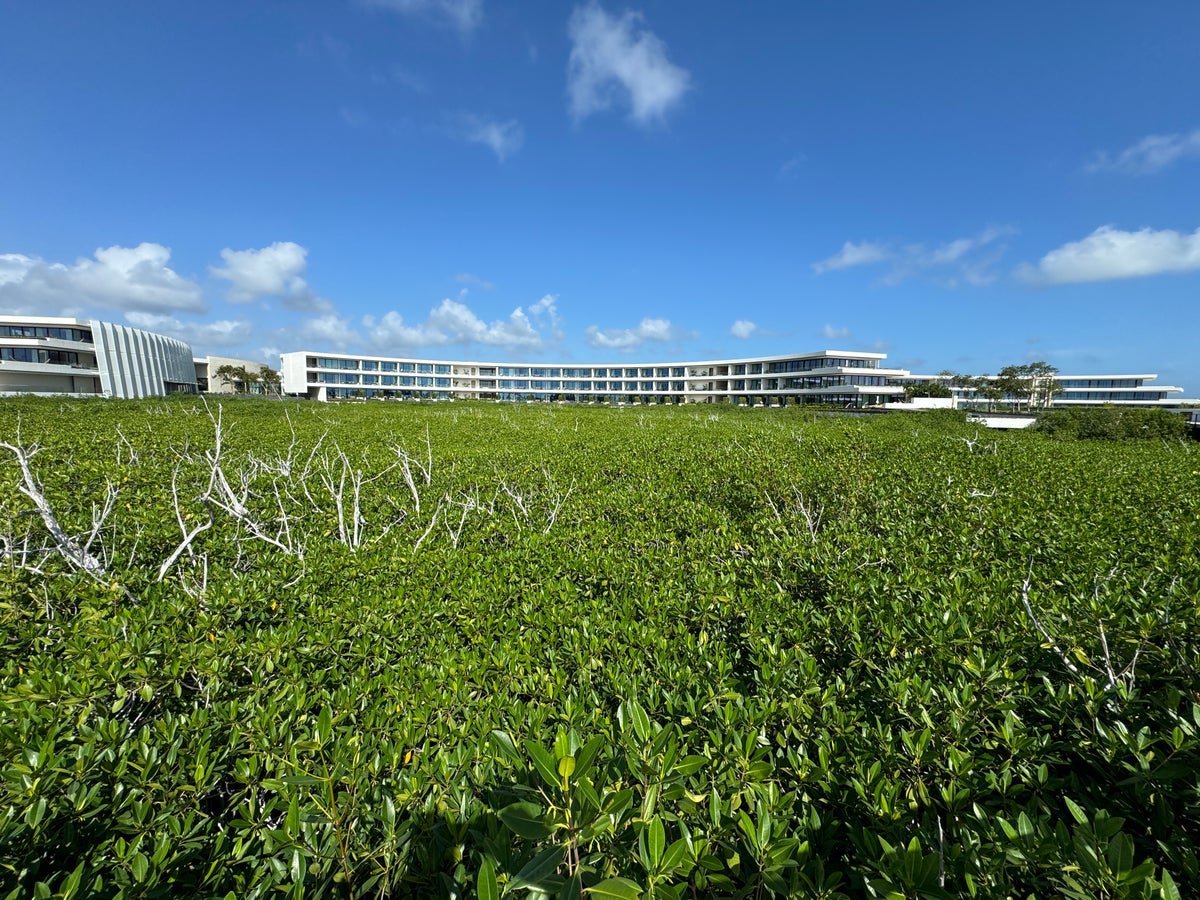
(1111, 423)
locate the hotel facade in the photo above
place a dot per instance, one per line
(829, 377)
(87, 357)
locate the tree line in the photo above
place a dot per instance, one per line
(1031, 385)
(244, 380)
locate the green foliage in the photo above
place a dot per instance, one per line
(494, 651)
(1111, 423)
(927, 389)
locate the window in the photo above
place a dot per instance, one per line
(370, 365)
(78, 335)
(388, 366)
(37, 355)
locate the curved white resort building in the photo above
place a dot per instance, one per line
(87, 357)
(829, 377)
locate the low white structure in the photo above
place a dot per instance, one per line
(210, 382)
(87, 357)
(1132, 390)
(843, 378)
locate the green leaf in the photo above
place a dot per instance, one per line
(633, 716)
(617, 888)
(1170, 890)
(538, 869)
(301, 780)
(676, 854)
(504, 744)
(139, 867)
(572, 888)
(1077, 811)
(656, 842)
(525, 819)
(325, 726)
(71, 884)
(566, 766)
(486, 885)
(587, 755)
(650, 801)
(543, 762)
(690, 765)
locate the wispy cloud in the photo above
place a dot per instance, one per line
(465, 15)
(201, 335)
(1151, 154)
(868, 253)
(832, 333)
(115, 278)
(273, 271)
(626, 339)
(968, 260)
(468, 278)
(502, 138)
(1108, 254)
(789, 169)
(743, 329)
(615, 60)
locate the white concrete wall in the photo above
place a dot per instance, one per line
(136, 363)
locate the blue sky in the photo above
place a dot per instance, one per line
(958, 185)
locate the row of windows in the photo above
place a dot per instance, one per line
(389, 380)
(807, 365)
(38, 355)
(370, 365)
(1100, 382)
(81, 335)
(1113, 395)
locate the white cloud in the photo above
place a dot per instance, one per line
(830, 333)
(789, 169)
(1109, 253)
(329, 328)
(468, 278)
(465, 15)
(963, 260)
(626, 339)
(274, 271)
(453, 322)
(201, 335)
(742, 328)
(547, 309)
(502, 138)
(851, 254)
(1151, 154)
(125, 278)
(614, 58)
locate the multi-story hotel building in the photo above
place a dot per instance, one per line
(1133, 390)
(835, 377)
(87, 357)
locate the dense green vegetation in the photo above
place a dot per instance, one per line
(1111, 423)
(473, 651)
